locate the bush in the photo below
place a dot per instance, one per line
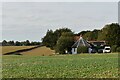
(82, 49)
(64, 43)
(118, 49)
(113, 48)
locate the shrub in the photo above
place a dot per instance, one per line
(82, 49)
(118, 49)
(64, 42)
(113, 48)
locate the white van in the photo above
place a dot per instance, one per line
(107, 49)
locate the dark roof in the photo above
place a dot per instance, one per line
(97, 42)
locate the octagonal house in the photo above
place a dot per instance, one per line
(78, 43)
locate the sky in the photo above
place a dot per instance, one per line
(59, 0)
(31, 20)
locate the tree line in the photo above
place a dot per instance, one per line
(62, 39)
(18, 43)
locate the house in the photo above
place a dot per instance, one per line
(78, 43)
(92, 45)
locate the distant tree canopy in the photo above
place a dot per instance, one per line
(83, 32)
(91, 35)
(18, 43)
(111, 34)
(4, 43)
(51, 37)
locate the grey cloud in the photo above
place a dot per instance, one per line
(35, 18)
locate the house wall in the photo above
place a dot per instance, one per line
(89, 50)
(74, 50)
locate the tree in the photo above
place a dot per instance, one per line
(91, 35)
(65, 42)
(114, 48)
(83, 33)
(35, 43)
(118, 49)
(88, 36)
(4, 43)
(95, 33)
(48, 40)
(27, 42)
(17, 43)
(111, 34)
(51, 38)
(11, 43)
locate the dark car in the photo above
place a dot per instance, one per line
(100, 50)
(93, 51)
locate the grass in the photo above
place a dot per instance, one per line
(61, 66)
(41, 51)
(6, 49)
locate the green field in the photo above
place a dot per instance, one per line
(61, 66)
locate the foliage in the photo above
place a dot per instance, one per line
(27, 42)
(51, 38)
(82, 49)
(11, 43)
(4, 42)
(95, 33)
(35, 43)
(61, 66)
(83, 33)
(118, 49)
(90, 35)
(65, 42)
(18, 43)
(113, 48)
(48, 40)
(111, 34)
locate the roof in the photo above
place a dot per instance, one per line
(80, 42)
(98, 43)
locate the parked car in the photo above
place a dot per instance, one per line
(107, 49)
(93, 51)
(100, 50)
